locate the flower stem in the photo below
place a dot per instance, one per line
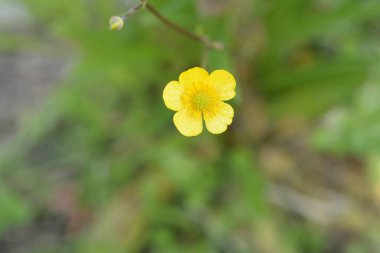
(202, 39)
(205, 57)
(132, 10)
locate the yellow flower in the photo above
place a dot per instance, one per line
(198, 95)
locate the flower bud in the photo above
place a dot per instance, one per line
(116, 23)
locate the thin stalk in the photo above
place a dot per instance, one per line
(132, 10)
(205, 57)
(202, 39)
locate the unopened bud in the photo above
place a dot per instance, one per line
(116, 23)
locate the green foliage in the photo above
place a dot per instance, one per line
(353, 129)
(305, 58)
(13, 212)
(139, 186)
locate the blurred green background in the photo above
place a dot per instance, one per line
(90, 161)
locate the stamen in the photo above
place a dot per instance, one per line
(201, 100)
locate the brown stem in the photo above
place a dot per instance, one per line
(132, 10)
(205, 57)
(202, 39)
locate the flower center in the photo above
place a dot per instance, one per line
(201, 100)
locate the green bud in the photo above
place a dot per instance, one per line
(116, 23)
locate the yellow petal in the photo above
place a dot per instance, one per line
(189, 123)
(218, 118)
(193, 75)
(224, 82)
(172, 95)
